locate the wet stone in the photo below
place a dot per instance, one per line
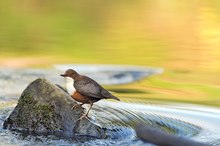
(44, 108)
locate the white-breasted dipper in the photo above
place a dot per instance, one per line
(87, 91)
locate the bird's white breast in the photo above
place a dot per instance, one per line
(69, 85)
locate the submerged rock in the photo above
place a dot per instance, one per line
(44, 108)
(158, 137)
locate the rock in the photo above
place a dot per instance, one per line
(44, 108)
(157, 137)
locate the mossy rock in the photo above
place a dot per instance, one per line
(44, 108)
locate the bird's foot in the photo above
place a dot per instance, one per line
(76, 106)
(84, 116)
(81, 117)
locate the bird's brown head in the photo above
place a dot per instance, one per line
(70, 73)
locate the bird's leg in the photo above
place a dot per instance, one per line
(89, 109)
(77, 105)
(86, 115)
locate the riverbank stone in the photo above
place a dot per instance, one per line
(44, 108)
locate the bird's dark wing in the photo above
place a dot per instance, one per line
(88, 87)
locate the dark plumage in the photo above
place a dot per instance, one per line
(86, 89)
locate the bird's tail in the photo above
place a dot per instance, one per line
(114, 97)
(106, 94)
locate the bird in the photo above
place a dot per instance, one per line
(86, 90)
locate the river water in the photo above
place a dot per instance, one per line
(200, 123)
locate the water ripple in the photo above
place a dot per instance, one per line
(121, 118)
(199, 123)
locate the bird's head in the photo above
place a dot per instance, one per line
(70, 73)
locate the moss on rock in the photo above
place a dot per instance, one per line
(45, 108)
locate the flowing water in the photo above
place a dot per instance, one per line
(199, 123)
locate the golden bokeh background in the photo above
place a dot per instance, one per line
(183, 37)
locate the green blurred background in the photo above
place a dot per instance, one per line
(183, 37)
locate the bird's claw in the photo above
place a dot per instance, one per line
(73, 107)
(76, 106)
(83, 116)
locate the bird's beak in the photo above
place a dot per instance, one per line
(63, 75)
